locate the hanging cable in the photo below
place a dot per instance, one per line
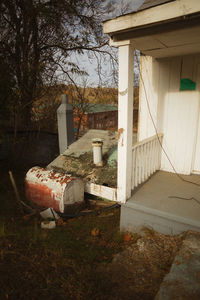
(156, 131)
(93, 212)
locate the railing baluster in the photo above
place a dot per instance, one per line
(154, 156)
(133, 170)
(146, 159)
(157, 155)
(149, 158)
(136, 168)
(145, 162)
(140, 165)
(148, 164)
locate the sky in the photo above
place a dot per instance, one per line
(124, 7)
(89, 64)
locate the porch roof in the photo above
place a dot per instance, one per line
(167, 29)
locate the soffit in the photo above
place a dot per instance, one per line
(177, 42)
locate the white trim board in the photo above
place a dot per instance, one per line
(101, 191)
(161, 13)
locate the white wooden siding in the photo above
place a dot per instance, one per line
(175, 112)
(196, 153)
(149, 69)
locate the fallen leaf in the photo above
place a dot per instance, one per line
(127, 237)
(60, 222)
(95, 232)
(102, 243)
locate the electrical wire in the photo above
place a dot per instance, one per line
(156, 131)
(182, 198)
(162, 148)
(82, 214)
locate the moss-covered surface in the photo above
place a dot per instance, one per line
(83, 167)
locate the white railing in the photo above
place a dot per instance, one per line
(146, 159)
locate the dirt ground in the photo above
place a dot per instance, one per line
(82, 258)
(142, 265)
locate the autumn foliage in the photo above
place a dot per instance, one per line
(44, 108)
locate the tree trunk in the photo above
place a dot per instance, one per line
(79, 125)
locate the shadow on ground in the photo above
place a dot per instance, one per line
(69, 262)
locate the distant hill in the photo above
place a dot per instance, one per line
(44, 108)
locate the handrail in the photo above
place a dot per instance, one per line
(160, 135)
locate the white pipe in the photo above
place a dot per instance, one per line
(97, 152)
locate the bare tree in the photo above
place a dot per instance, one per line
(79, 96)
(37, 38)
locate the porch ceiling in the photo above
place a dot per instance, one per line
(173, 43)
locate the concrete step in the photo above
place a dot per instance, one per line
(134, 216)
(183, 280)
(165, 203)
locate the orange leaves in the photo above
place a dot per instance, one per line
(127, 237)
(95, 232)
(60, 222)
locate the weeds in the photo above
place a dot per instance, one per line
(59, 263)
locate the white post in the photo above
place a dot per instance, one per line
(125, 121)
(65, 124)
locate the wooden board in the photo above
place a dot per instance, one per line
(165, 12)
(101, 191)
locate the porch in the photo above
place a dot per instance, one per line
(165, 33)
(157, 204)
(164, 201)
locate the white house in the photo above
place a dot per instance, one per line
(167, 33)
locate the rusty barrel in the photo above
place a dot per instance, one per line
(53, 189)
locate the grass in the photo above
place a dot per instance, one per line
(68, 262)
(63, 263)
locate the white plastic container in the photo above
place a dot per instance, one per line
(48, 224)
(49, 213)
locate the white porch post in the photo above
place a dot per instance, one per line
(125, 121)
